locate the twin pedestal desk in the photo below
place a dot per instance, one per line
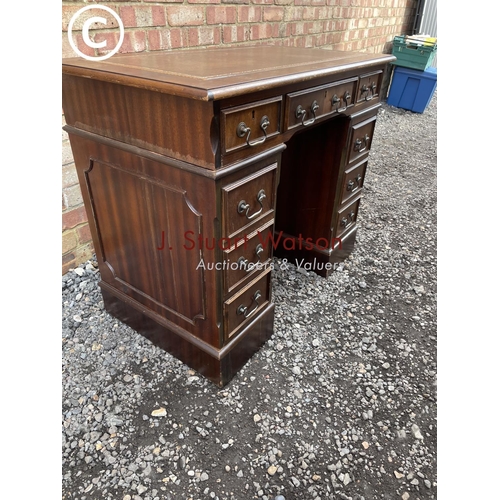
(196, 166)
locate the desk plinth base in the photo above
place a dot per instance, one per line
(219, 366)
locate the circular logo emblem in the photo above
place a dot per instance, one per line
(85, 32)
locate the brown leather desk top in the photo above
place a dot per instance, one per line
(218, 73)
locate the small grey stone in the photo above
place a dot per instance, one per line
(113, 420)
(204, 476)
(416, 432)
(95, 435)
(296, 370)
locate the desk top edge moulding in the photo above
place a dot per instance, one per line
(198, 166)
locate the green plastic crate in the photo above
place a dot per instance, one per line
(413, 55)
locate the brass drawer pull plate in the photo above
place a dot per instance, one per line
(300, 112)
(336, 100)
(244, 310)
(244, 207)
(361, 142)
(351, 183)
(243, 129)
(365, 89)
(346, 222)
(246, 264)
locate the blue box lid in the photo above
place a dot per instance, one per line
(430, 72)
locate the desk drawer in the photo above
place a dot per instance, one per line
(251, 124)
(346, 218)
(246, 202)
(303, 108)
(353, 180)
(245, 305)
(369, 86)
(361, 138)
(248, 257)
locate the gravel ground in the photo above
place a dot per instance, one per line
(339, 404)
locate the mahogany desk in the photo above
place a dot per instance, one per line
(195, 164)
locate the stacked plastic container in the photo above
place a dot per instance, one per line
(414, 80)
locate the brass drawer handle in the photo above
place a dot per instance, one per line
(244, 207)
(243, 129)
(246, 264)
(244, 309)
(348, 221)
(300, 112)
(351, 183)
(336, 100)
(359, 142)
(258, 250)
(366, 90)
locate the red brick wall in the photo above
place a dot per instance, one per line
(365, 25)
